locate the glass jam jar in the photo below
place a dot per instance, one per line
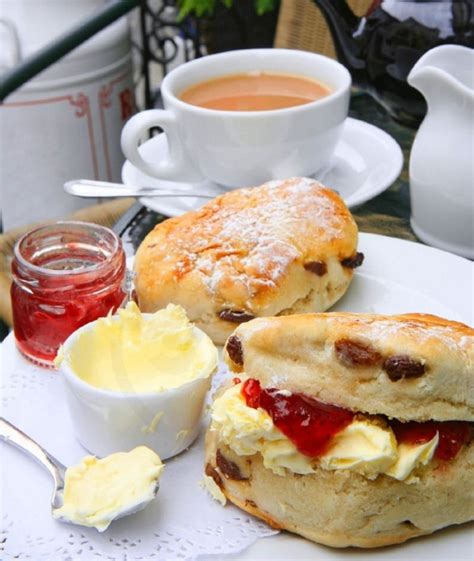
(64, 276)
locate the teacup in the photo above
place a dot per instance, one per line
(243, 148)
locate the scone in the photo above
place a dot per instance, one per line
(348, 429)
(284, 247)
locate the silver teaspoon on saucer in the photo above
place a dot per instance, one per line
(14, 436)
(91, 188)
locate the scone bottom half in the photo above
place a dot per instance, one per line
(338, 474)
(285, 247)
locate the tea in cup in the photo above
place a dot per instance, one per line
(244, 117)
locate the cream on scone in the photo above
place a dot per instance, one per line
(285, 247)
(349, 429)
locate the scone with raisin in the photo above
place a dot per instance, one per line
(285, 247)
(348, 429)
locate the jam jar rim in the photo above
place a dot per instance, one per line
(117, 247)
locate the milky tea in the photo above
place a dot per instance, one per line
(254, 91)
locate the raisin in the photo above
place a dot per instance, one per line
(402, 366)
(353, 261)
(235, 316)
(317, 267)
(353, 353)
(234, 350)
(229, 469)
(211, 472)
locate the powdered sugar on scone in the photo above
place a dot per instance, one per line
(246, 251)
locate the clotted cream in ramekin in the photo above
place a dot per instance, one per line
(138, 379)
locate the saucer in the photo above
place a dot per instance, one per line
(366, 161)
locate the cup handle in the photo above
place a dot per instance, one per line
(177, 167)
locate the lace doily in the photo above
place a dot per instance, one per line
(183, 523)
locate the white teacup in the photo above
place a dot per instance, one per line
(242, 148)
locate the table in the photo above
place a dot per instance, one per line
(387, 214)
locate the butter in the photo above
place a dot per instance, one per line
(182, 434)
(213, 489)
(363, 446)
(151, 428)
(243, 428)
(248, 431)
(412, 456)
(133, 353)
(97, 491)
(280, 455)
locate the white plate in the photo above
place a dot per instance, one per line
(366, 162)
(396, 277)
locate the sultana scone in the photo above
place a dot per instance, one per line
(284, 247)
(348, 429)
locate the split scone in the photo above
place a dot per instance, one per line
(285, 247)
(349, 429)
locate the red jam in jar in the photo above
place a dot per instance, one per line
(307, 422)
(64, 276)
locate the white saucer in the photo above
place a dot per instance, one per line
(366, 162)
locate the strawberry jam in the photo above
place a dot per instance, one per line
(64, 276)
(311, 424)
(453, 435)
(308, 423)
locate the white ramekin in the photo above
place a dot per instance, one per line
(107, 421)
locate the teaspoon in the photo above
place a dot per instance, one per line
(91, 188)
(14, 436)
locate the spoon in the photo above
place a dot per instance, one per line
(14, 436)
(90, 188)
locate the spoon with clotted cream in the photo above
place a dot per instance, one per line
(96, 491)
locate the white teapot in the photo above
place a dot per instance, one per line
(442, 156)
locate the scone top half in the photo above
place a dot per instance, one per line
(411, 367)
(285, 247)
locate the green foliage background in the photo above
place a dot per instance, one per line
(202, 8)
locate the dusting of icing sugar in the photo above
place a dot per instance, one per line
(269, 259)
(380, 328)
(252, 240)
(295, 184)
(466, 341)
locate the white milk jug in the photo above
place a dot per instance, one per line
(442, 157)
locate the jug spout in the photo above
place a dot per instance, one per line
(444, 74)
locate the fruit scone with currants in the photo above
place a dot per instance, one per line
(288, 246)
(349, 429)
